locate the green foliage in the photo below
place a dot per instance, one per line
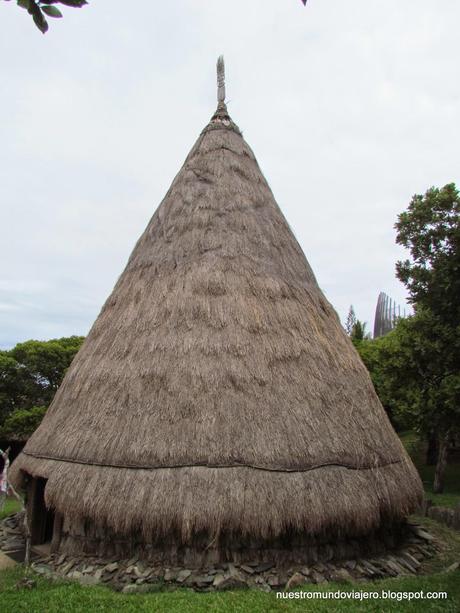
(46, 361)
(31, 372)
(11, 384)
(430, 229)
(12, 505)
(39, 8)
(416, 447)
(22, 423)
(408, 370)
(430, 341)
(358, 331)
(351, 321)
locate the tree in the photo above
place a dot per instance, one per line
(351, 321)
(22, 423)
(12, 384)
(430, 229)
(47, 361)
(39, 8)
(358, 332)
(31, 372)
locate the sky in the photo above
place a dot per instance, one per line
(351, 107)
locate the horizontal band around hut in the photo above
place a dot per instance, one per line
(275, 469)
(241, 500)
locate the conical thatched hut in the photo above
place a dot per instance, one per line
(217, 410)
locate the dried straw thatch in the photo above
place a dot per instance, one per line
(217, 390)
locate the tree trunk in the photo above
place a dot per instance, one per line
(432, 449)
(440, 470)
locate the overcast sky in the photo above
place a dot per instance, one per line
(351, 107)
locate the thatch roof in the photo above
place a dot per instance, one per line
(217, 389)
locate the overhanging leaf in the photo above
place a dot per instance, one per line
(52, 11)
(39, 20)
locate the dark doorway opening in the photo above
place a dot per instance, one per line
(42, 524)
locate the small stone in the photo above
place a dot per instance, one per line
(111, 568)
(133, 588)
(264, 587)
(13, 545)
(98, 574)
(229, 583)
(218, 580)
(318, 577)
(412, 561)
(419, 556)
(296, 580)
(75, 574)
(234, 573)
(203, 579)
(392, 563)
(350, 564)
(422, 534)
(424, 551)
(170, 575)
(87, 570)
(61, 559)
(320, 567)
(132, 561)
(247, 569)
(42, 569)
(262, 568)
(88, 580)
(405, 564)
(369, 568)
(274, 581)
(305, 571)
(183, 575)
(451, 568)
(340, 575)
(106, 579)
(65, 569)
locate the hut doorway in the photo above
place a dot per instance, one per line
(42, 518)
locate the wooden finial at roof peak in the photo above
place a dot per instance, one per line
(220, 80)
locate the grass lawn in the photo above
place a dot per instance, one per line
(416, 449)
(11, 506)
(68, 597)
(60, 597)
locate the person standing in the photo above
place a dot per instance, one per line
(4, 476)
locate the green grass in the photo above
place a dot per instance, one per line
(11, 506)
(68, 597)
(60, 597)
(417, 449)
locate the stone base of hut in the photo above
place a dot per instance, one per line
(136, 575)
